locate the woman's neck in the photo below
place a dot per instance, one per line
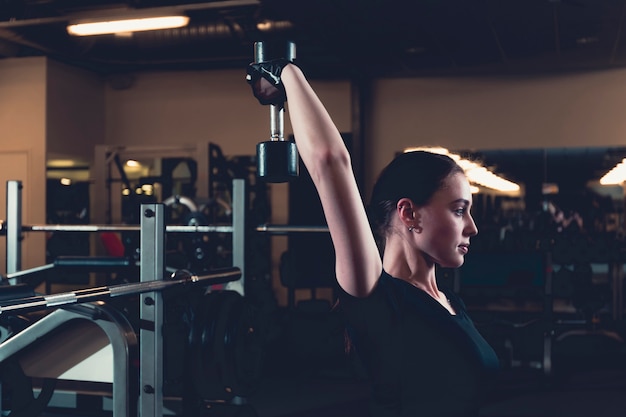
(413, 268)
(422, 278)
(404, 262)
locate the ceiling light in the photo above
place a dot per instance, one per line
(267, 25)
(131, 163)
(126, 25)
(148, 189)
(616, 175)
(61, 163)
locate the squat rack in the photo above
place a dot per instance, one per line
(13, 228)
(116, 327)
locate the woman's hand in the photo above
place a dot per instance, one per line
(264, 78)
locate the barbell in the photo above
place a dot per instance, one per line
(180, 277)
(215, 345)
(115, 228)
(91, 228)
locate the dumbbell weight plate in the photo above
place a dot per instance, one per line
(203, 368)
(230, 309)
(239, 346)
(277, 161)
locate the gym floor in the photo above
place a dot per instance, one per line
(306, 374)
(586, 394)
(588, 380)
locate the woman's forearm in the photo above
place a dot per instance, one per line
(318, 140)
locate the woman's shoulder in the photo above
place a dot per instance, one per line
(382, 296)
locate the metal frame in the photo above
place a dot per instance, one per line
(239, 234)
(118, 330)
(13, 228)
(14, 232)
(152, 267)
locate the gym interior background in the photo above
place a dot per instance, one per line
(538, 98)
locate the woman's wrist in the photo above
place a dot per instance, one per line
(290, 72)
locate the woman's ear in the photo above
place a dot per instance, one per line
(407, 211)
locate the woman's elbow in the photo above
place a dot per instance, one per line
(330, 161)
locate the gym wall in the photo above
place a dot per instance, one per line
(48, 109)
(23, 147)
(569, 110)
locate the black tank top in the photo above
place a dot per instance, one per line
(421, 360)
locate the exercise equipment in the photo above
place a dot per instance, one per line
(279, 229)
(277, 159)
(232, 329)
(39, 302)
(78, 264)
(226, 342)
(193, 251)
(222, 350)
(89, 228)
(87, 305)
(83, 329)
(13, 228)
(12, 324)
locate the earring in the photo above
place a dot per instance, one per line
(417, 229)
(411, 228)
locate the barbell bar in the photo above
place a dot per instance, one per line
(80, 263)
(264, 228)
(41, 302)
(286, 229)
(114, 228)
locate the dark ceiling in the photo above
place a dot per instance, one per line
(335, 37)
(356, 39)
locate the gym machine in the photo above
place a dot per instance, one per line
(90, 316)
(13, 228)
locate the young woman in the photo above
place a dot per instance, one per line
(422, 353)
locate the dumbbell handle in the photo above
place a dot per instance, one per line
(277, 123)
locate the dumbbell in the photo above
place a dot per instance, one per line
(277, 159)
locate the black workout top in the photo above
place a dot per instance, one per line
(421, 360)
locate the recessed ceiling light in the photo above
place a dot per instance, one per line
(126, 25)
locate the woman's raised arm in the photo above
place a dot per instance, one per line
(321, 147)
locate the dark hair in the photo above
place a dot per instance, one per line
(416, 175)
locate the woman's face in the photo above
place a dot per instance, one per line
(447, 224)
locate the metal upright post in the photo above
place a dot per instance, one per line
(616, 270)
(14, 228)
(548, 315)
(152, 266)
(14, 234)
(239, 233)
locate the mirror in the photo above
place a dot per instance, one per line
(557, 183)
